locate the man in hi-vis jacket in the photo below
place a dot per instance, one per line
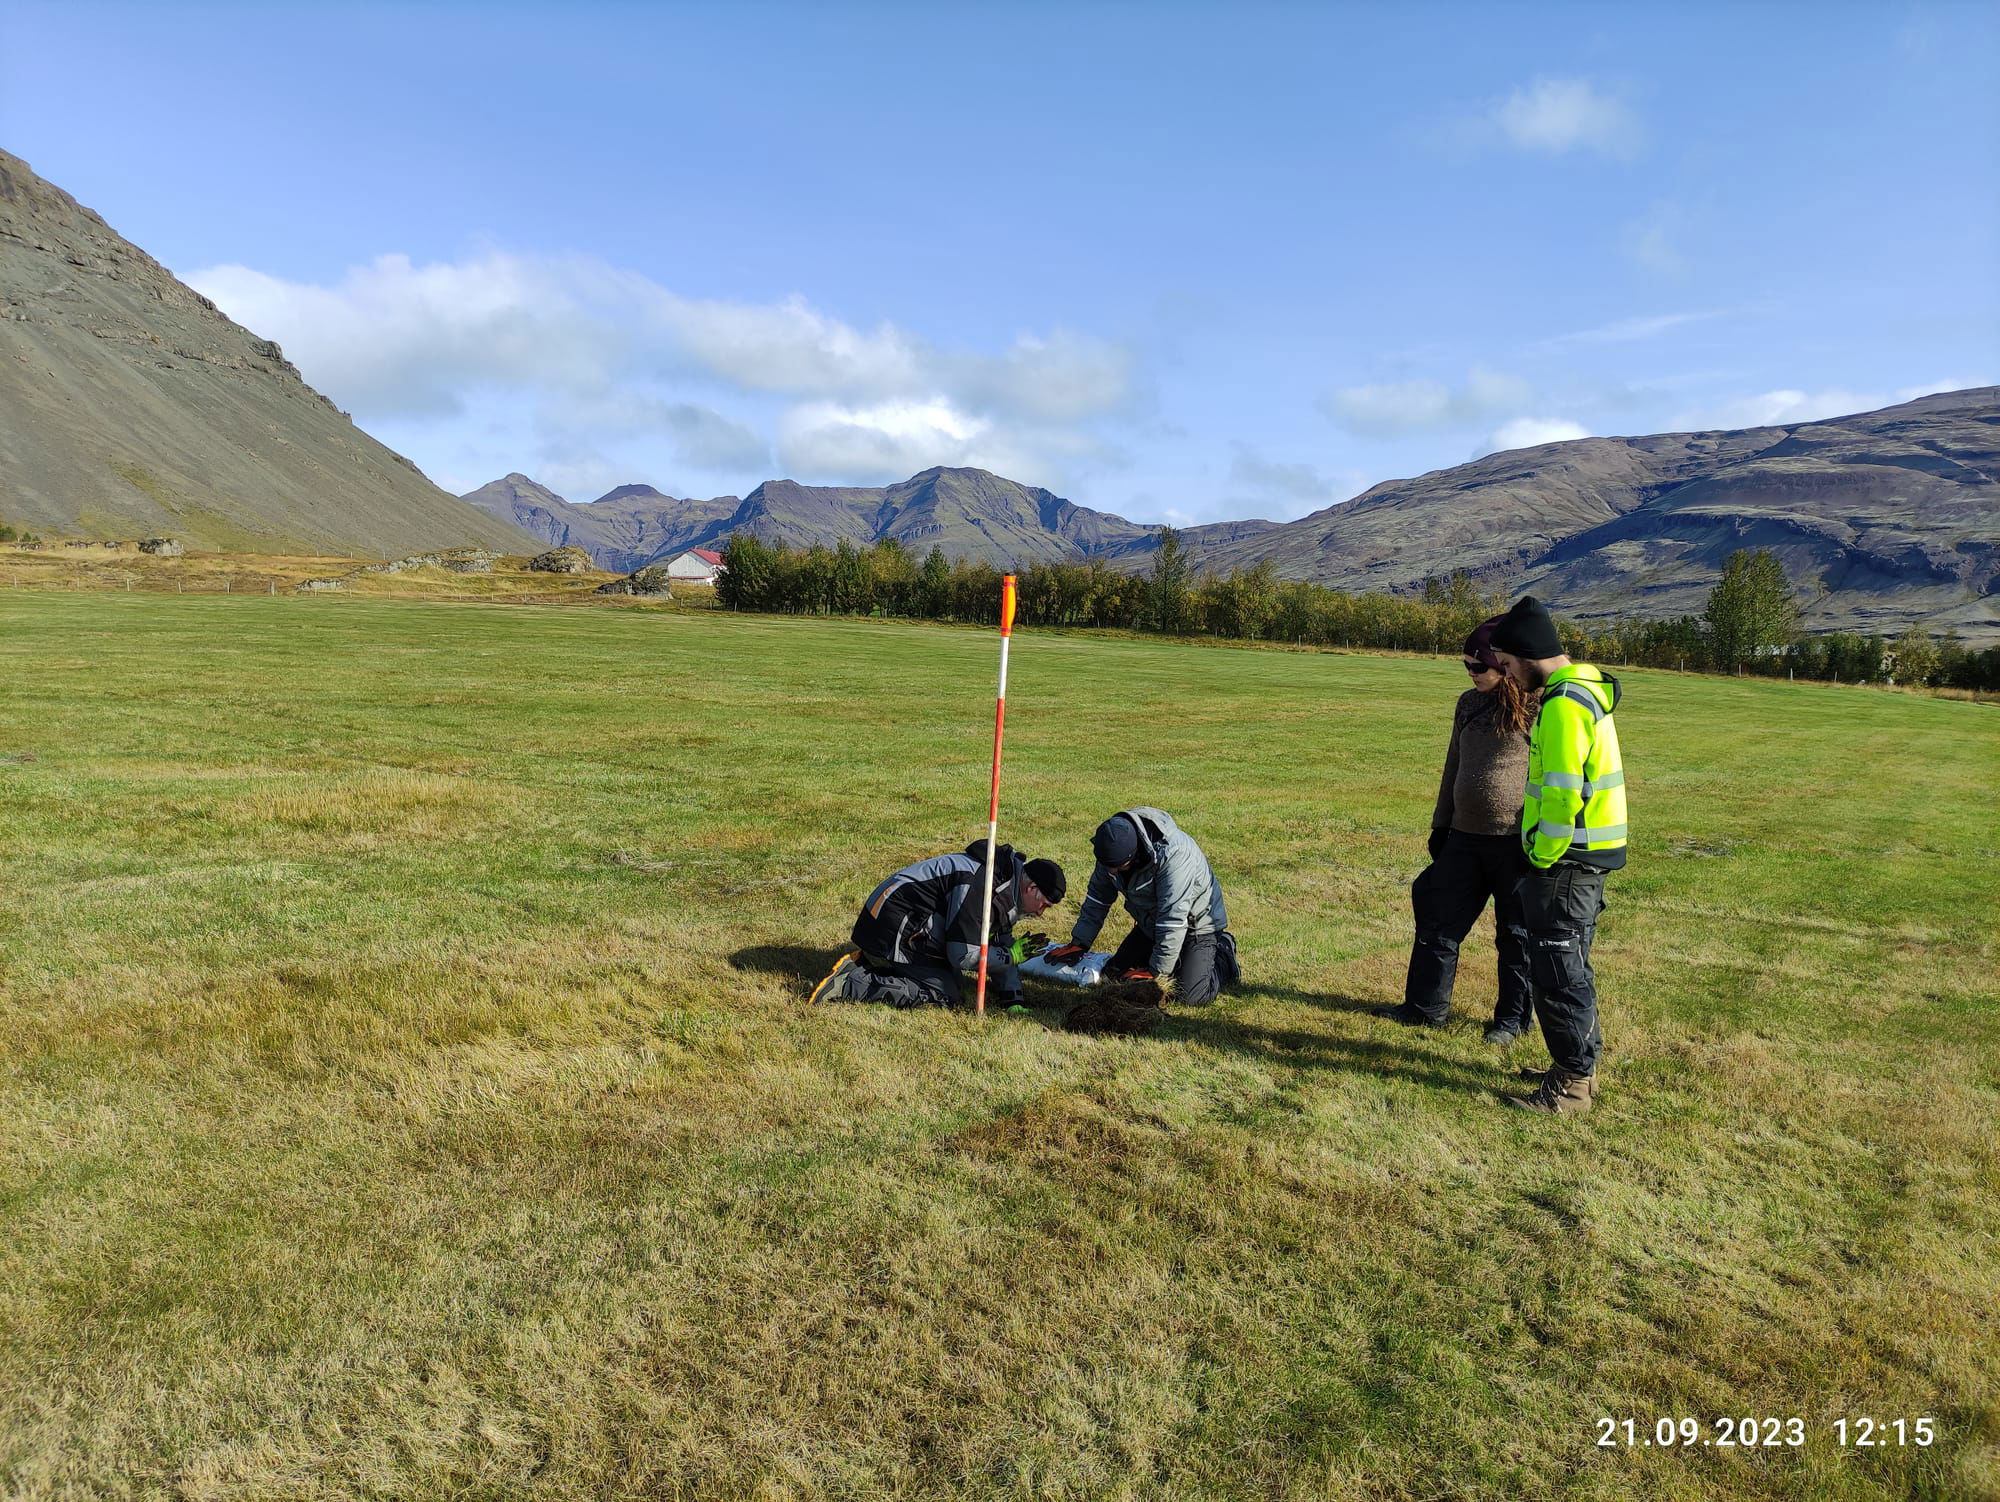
(1180, 930)
(1572, 833)
(919, 930)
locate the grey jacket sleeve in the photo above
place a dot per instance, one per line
(1096, 907)
(1441, 815)
(1001, 973)
(1182, 881)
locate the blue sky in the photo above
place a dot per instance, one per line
(1178, 262)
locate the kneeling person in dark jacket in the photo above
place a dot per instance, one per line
(920, 929)
(1180, 930)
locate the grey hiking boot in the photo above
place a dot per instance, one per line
(1559, 1094)
(1503, 1033)
(834, 986)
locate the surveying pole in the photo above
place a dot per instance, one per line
(993, 799)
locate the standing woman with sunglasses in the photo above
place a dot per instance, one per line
(1475, 849)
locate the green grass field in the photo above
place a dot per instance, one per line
(405, 1091)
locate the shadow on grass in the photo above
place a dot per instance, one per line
(1386, 1057)
(1328, 1000)
(800, 962)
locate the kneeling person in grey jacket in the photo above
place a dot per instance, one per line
(1180, 930)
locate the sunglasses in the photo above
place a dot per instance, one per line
(1476, 668)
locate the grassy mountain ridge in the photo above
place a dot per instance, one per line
(129, 405)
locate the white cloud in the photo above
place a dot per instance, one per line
(1628, 330)
(874, 445)
(1650, 242)
(1782, 408)
(1566, 114)
(1283, 491)
(782, 347)
(1531, 432)
(1058, 377)
(699, 435)
(394, 336)
(1301, 482)
(1400, 407)
(603, 355)
(581, 473)
(890, 441)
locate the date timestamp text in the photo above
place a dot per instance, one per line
(1749, 1433)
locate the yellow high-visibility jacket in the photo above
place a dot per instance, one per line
(1575, 808)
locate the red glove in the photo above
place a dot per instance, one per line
(1137, 974)
(1064, 954)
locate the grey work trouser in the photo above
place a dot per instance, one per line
(905, 983)
(1197, 980)
(1559, 908)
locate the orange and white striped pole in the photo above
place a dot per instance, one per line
(993, 799)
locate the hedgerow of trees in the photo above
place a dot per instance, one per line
(1750, 625)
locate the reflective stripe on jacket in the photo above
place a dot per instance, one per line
(1575, 808)
(930, 910)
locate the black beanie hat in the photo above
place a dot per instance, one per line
(1116, 841)
(1048, 876)
(1528, 630)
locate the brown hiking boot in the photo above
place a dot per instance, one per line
(1559, 1094)
(1536, 1076)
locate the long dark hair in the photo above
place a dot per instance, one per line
(1514, 706)
(1509, 704)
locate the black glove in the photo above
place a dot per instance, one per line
(1027, 946)
(1436, 845)
(1064, 954)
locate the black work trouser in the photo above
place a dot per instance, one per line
(1560, 906)
(1449, 895)
(905, 983)
(1197, 980)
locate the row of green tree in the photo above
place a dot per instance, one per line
(1751, 623)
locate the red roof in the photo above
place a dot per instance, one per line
(706, 556)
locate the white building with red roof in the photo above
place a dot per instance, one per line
(695, 566)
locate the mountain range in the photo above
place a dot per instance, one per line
(1881, 519)
(970, 513)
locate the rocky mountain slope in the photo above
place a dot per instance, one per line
(623, 530)
(969, 513)
(1881, 519)
(130, 406)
